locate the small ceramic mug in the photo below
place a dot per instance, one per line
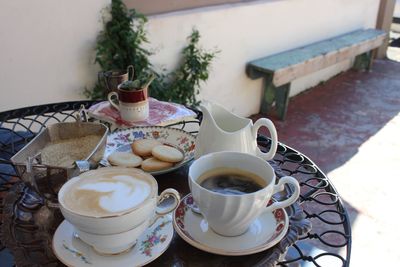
(230, 214)
(116, 232)
(132, 105)
(112, 78)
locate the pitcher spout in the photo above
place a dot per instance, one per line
(206, 109)
(222, 119)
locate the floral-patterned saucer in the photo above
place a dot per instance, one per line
(266, 231)
(121, 140)
(71, 251)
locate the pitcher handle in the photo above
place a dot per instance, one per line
(274, 138)
(110, 96)
(280, 187)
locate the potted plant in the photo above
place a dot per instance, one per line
(132, 95)
(121, 44)
(142, 83)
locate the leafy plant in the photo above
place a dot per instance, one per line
(183, 85)
(137, 84)
(121, 44)
(185, 80)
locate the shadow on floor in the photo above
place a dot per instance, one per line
(330, 122)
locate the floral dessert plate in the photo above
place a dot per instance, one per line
(266, 231)
(121, 141)
(71, 251)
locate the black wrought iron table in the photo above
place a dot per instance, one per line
(319, 231)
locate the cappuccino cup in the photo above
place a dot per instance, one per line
(232, 189)
(111, 207)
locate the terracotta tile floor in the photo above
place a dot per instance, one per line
(350, 127)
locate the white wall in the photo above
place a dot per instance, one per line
(46, 50)
(49, 44)
(396, 12)
(244, 32)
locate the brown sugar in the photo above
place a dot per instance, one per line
(63, 153)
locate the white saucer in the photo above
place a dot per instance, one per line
(266, 231)
(151, 244)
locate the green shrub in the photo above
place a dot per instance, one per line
(120, 44)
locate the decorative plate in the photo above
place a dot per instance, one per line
(266, 231)
(150, 245)
(160, 113)
(121, 140)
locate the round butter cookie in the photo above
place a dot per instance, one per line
(154, 164)
(167, 153)
(143, 147)
(124, 159)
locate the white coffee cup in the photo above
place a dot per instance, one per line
(118, 220)
(231, 215)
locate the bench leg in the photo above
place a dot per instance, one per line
(279, 95)
(269, 95)
(282, 100)
(363, 61)
(371, 59)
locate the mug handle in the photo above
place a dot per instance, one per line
(130, 69)
(274, 138)
(109, 97)
(103, 78)
(171, 207)
(280, 187)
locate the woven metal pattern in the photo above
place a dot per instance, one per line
(327, 242)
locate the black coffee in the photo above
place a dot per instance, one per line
(230, 181)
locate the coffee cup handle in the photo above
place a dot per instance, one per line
(280, 187)
(110, 96)
(167, 193)
(274, 138)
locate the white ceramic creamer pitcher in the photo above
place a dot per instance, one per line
(221, 130)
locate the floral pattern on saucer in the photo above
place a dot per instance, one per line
(279, 215)
(121, 140)
(71, 251)
(265, 231)
(183, 207)
(153, 239)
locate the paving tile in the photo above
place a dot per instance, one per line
(350, 127)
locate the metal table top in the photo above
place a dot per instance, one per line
(319, 231)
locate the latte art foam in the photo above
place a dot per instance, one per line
(104, 196)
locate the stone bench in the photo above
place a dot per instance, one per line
(281, 69)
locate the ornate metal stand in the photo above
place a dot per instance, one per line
(319, 229)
